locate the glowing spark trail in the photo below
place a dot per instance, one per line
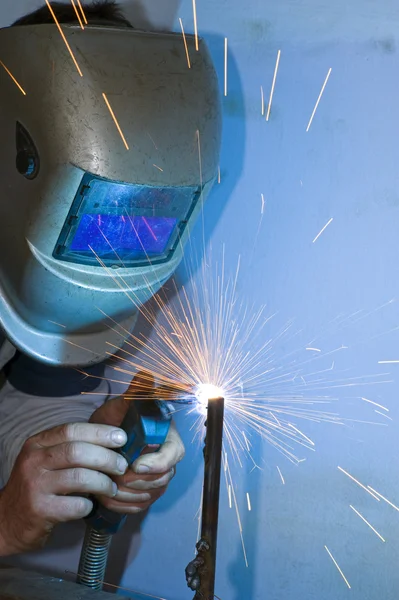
(64, 38)
(55, 323)
(358, 483)
(375, 404)
(281, 475)
(314, 349)
(246, 441)
(262, 98)
(338, 567)
(13, 78)
(115, 121)
(302, 434)
(77, 14)
(318, 99)
(383, 414)
(185, 44)
(230, 504)
(195, 25)
(82, 11)
(219, 174)
(388, 362)
(156, 166)
(367, 523)
(249, 502)
(273, 84)
(225, 66)
(325, 227)
(262, 209)
(383, 498)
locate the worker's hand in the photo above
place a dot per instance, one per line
(150, 474)
(70, 459)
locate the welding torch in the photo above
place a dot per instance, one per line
(200, 572)
(146, 422)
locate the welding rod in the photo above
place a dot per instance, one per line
(200, 573)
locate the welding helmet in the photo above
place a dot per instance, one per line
(101, 179)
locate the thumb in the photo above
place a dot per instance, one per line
(113, 411)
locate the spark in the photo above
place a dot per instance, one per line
(82, 11)
(115, 121)
(219, 174)
(325, 226)
(195, 25)
(367, 523)
(262, 100)
(230, 504)
(149, 229)
(358, 483)
(302, 434)
(383, 414)
(185, 43)
(156, 166)
(55, 323)
(383, 498)
(375, 404)
(338, 567)
(237, 515)
(77, 14)
(262, 208)
(388, 362)
(318, 100)
(249, 502)
(225, 66)
(314, 349)
(273, 84)
(155, 146)
(281, 475)
(246, 441)
(64, 38)
(13, 78)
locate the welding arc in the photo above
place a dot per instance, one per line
(200, 573)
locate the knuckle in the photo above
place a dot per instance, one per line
(78, 476)
(83, 507)
(70, 431)
(73, 453)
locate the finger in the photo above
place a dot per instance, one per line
(126, 496)
(78, 480)
(170, 453)
(114, 411)
(82, 454)
(101, 435)
(123, 508)
(133, 481)
(62, 509)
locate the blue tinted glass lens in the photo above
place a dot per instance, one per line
(122, 235)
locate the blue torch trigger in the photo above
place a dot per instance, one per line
(146, 422)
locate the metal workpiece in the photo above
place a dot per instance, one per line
(200, 572)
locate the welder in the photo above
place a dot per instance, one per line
(101, 183)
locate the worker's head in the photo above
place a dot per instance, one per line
(100, 179)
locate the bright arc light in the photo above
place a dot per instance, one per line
(206, 392)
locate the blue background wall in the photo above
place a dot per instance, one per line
(345, 167)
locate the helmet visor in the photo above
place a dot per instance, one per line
(124, 224)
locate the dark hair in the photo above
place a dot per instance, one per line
(99, 11)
